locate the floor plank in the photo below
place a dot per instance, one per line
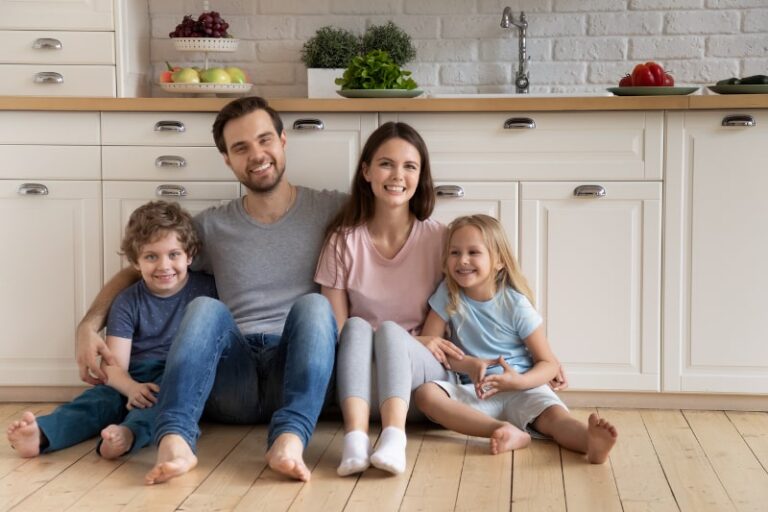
(753, 427)
(485, 480)
(537, 478)
(744, 479)
(639, 476)
(689, 473)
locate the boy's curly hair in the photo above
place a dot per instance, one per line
(154, 220)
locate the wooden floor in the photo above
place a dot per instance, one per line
(665, 460)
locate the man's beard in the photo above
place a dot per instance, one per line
(265, 189)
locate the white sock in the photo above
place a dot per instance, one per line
(355, 457)
(390, 453)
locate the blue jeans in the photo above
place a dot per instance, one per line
(100, 406)
(255, 378)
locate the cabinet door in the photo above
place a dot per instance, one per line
(716, 252)
(499, 200)
(121, 198)
(50, 270)
(323, 149)
(594, 266)
(55, 14)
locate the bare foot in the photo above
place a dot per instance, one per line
(285, 457)
(24, 435)
(174, 458)
(508, 438)
(116, 440)
(601, 436)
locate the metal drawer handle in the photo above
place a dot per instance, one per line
(49, 77)
(519, 122)
(589, 191)
(47, 43)
(33, 189)
(170, 126)
(450, 191)
(171, 191)
(170, 161)
(739, 120)
(308, 124)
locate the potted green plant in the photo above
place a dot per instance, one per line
(326, 55)
(375, 70)
(391, 39)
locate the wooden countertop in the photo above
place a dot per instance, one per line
(469, 104)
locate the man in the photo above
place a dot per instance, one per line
(266, 351)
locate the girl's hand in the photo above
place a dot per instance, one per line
(442, 349)
(142, 395)
(507, 381)
(560, 381)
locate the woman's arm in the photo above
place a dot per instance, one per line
(339, 302)
(432, 337)
(139, 394)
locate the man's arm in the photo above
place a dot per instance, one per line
(89, 345)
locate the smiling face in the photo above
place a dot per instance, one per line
(255, 151)
(163, 264)
(470, 264)
(393, 173)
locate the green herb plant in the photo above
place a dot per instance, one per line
(391, 39)
(330, 47)
(375, 70)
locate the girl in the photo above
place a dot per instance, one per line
(379, 265)
(488, 305)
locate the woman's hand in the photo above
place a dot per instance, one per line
(141, 395)
(441, 348)
(560, 381)
(507, 381)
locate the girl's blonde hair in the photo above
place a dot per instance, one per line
(508, 274)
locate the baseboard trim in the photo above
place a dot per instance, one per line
(615, 400)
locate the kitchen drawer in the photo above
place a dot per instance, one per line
(50, 162)
(57, 15)
(59, 128)
(164, 164)
(541, 145)
(19, 80)
(157, 129)
(54, 47)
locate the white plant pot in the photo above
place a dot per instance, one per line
(321, 82)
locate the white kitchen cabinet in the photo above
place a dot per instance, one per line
(594, 264)
(716, 283)
(50, 270)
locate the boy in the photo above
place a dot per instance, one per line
(160, 242)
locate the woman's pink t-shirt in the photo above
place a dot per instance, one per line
(382, 289)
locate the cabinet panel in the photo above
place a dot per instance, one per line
(56, 14)
(594, 265)
(50, 162)
(56, 47)
(499, 200)
(157, 128)
(121, 198)
(164, 163)
(718, 286)
(64, 128)
(561, 146)
(51, 262)
(80, 80)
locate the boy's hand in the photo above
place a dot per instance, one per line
(89, 347)
(142, 395)
(441, 348)
(507, 381)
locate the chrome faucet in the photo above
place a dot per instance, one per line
(522, 81)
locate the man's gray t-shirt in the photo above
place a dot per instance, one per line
(262, 269)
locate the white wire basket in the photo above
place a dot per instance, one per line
(205, 88)
(205, 44)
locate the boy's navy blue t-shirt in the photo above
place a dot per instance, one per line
(150, 321)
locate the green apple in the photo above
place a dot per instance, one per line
(186, 76)
(238, 75)
(215, 76)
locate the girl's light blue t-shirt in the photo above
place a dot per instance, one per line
(492, 328)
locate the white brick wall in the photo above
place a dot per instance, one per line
(575, 45)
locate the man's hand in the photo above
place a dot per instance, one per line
(560, 381)
(141, 395)
(89, 347)
(441, 348)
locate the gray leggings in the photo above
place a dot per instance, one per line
(401, 363)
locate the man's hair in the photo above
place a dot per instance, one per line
(154, 220)
(239, 108)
